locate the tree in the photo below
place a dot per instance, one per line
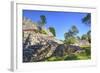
(67, 35)
(70, 40)
(52, 30)
(87, 19)
(70, 36)
(84, 37)
(41, 22)
(43, 19)
(78, 37)
(73, 31)
(89, 36)
(89, 33)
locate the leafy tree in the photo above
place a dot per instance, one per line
(70, 35)
(52, 30)
(89, 36)
(67, 35)
(78, 38)
(87, 19)
(70, 40)
(84, 37)
(42, 22)
(89, 32)
(73, 31)
(43, 19)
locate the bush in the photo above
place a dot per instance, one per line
(70, 40)
(43, 31)
(52, 30)
(36, 31)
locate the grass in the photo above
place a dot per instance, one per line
(87, 50)
(83, 56)
(80, 56)
(55, 59)
(66, 57)
(71, 57)
(76, 56)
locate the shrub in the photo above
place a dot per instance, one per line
(36, 31)
(43, 31)
(52, 30)
(70, 40)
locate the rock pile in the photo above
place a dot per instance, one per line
(45, 48)
(39, 52)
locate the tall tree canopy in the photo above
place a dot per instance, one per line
(73, 31)
(87, 19)
(66, 35)
(43, 19)
(70, 35)
(87, 36)
(84, 37)
(52, 30)
(41, 22)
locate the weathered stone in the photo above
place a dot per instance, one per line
(64, 49)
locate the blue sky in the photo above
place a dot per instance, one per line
(61, 21)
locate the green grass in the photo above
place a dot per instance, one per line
(55, 59)
(71, 57)
(79, 56)
(83, 56)
(87, 50)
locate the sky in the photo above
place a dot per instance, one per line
(61, 21)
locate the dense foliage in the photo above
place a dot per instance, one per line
(70, 35)
(87, 19)
(52, 30)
